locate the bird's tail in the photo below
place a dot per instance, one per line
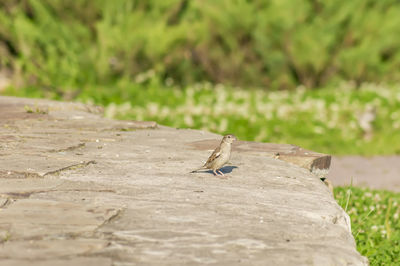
(198, 169)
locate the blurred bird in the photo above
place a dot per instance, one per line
(220, 156)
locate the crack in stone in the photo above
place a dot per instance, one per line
(70, 167)
(87, 190)
(23, 195)
(113, 217)
(93, 233)
(11, 174)
(27, 194)
(75, 235)
(70, 148)
(18, 174)
(5, 203)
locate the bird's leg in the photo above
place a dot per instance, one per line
(219, 173)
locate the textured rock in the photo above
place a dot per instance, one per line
(32, 218)
(61, 262)
(78, 189)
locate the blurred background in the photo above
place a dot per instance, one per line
(324, 75)
(320, 74)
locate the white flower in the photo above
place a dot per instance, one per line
(152, 108)
(188, 120)
(318, 130)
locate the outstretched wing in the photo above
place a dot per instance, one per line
(216, 153)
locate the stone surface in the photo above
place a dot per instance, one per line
(61, 262)
(78, 189)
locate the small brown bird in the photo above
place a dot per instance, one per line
(220, 156)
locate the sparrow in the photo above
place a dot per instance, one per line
(220, 156)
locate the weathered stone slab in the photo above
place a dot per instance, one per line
(50, 248)
(75, 187)
(60, 262)
(20, 188)
(32, 218)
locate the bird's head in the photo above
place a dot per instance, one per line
(229, 138)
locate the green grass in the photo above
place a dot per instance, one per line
(375, 222)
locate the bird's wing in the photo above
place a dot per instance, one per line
(216, 153)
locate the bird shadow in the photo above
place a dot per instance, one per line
(225, 169)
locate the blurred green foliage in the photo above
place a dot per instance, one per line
(62, 46)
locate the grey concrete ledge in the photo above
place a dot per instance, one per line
(79, 189)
